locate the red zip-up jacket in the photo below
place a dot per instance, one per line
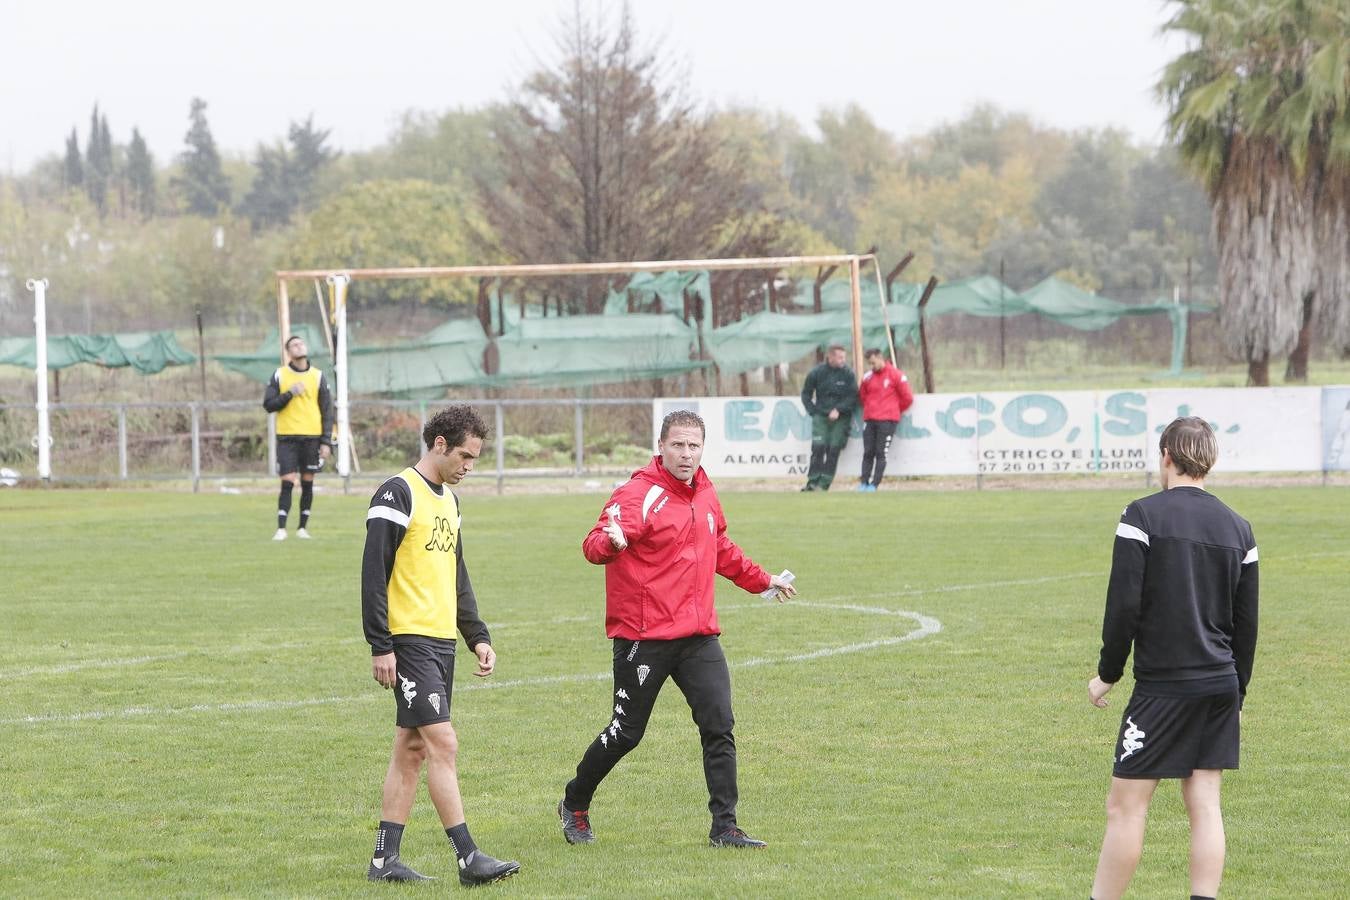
(885, 395)
(660, 587)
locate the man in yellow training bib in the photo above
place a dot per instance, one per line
(415, 592)
(298, 393)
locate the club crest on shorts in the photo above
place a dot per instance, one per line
(1132, 739)
(642, 674)
(435, 700)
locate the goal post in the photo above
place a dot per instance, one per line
(339, 279)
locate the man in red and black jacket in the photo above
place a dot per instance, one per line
(661, 538)
(885, 394)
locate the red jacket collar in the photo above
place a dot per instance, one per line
(656, 473)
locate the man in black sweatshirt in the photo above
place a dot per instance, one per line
(1183, 592)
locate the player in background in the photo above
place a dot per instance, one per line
(415, 591)
(1183, 593)
(661, 538)
(298, 393)
(885, 394)
(829, 395)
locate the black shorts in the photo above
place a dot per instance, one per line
(425, 675)
(1171, 737)
(297, 453)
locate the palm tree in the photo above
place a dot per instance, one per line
(1258, 109)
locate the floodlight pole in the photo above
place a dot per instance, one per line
(44, 436)
(344, 437)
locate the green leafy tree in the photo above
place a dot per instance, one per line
(834, 176)
(140, 174)
(990, 137)
(945, 222)
(272, 198)
(72, 174)
(285, 179)
(1258, 109)
(309, 156)
(201, 180)
(381, 224)
(98, 170)
(455, 148)
(1094, 185)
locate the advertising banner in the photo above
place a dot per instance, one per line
(1035, 432)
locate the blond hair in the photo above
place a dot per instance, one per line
(1192, 444)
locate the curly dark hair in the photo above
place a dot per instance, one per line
(455, 424)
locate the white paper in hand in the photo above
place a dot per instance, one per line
(772, 592)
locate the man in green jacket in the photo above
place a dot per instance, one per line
(829, 395)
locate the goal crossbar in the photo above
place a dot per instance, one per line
(338, 279)
(601, 268)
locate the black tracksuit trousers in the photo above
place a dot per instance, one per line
(876, 444)
(699, 669)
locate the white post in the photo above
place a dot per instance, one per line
(44, 436)
(344, 438)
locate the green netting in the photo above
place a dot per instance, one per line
(770, 338)
(1073, 306)
(617, 346)
(147, 352)
(669, 287)
(982, 295)
(262, 362)
(577, 350)
(451, 353)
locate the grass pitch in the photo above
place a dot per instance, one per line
(188, 708)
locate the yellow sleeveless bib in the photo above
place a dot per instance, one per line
(423, 592)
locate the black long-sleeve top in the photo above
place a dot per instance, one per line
(1183, 591)
(275, 399)
(383, 536)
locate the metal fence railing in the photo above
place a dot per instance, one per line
(224, 440)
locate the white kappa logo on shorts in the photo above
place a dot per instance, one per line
(1132, 739)
(408, 692)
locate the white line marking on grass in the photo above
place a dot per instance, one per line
(927, 625)
(60, 668)
(120, 662)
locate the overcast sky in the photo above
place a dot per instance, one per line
(357, 66)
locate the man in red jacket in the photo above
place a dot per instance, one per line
(661, 538)
(885, 395)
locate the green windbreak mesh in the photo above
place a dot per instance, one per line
(577, 350)
(769, 338)
(570, 351)
(451, 353)
(147, 352)
(1070, 305)
(982, 295)
(262, 362)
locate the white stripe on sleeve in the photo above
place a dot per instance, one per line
(1134, 534)
(387, 512)
(1250, 557)
(653, 494)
